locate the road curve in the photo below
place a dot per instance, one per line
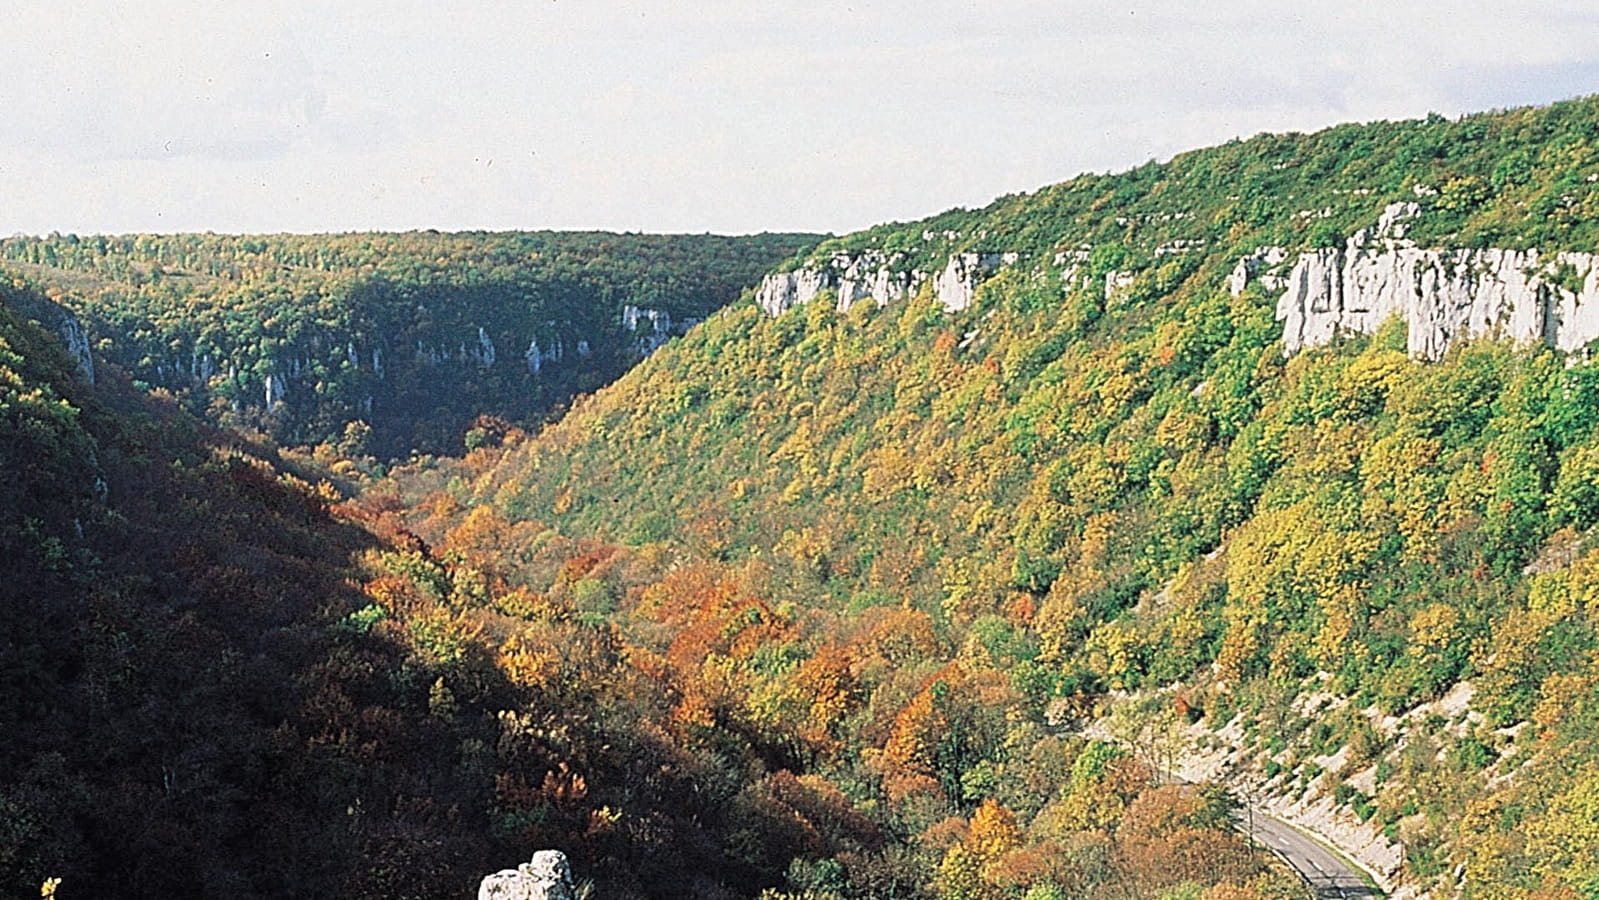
(1328, 874)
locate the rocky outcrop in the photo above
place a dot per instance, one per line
(277, 389)
(658, 320)
(1260, 264)
(869, 277)
(956, 286)
(883, 279)
(650, 328)
(547, 876)
(60, 321)
(76, 340)
(1443, 296)
(486, 354)
(1116, 281)
(782, 291)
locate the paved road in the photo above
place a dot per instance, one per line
(1329, 876)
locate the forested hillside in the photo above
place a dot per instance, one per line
(1105, 473)
(225, 681)
(222, 682)
(387, 343)
(910, 575)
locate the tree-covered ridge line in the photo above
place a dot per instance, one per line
(220, 676)
(1123, 489)
(409, 335)
(1518, 179)
(650, 261)
(823, 605)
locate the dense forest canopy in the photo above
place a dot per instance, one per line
(858, 600)
(408, 336)
(1099, 488)
(1519, 178)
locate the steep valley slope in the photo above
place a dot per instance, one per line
(1299, 416)
(908, 574)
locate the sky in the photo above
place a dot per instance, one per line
(728, 116)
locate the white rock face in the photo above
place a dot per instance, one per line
(547, 877)
(277, 388)
(77, 344)
(1115, 281)
(74, 337)
(660, 321)
(956, 286)
(782, 291)
(651, 328)
(1180, 246)
(869, 277)
(874, 276)
(486, 354)
(1258, 264)
(1443, 296)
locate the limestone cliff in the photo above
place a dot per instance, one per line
(60, 321)
(76, 340)
(548, 876)
(650, 328)
(1443, 295)
(872, 275)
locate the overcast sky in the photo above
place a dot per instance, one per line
(720, 115)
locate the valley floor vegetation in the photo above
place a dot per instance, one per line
(828, 604)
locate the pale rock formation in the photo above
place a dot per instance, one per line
(781, 291)
(277, 388)
(486, 354)
(1443, 296)
(1070, 258)
(547, 876)
(1258, 264)
(1071, 265)
(1115, 281)
(1392, 221)
(56, 318)
(869, 277)
(651, 328)
(1179, 246)
(873, 276)
(956, 286)
(660, 321)
(76, 341)
(485, 349)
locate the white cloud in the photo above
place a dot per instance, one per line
(711, 115)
